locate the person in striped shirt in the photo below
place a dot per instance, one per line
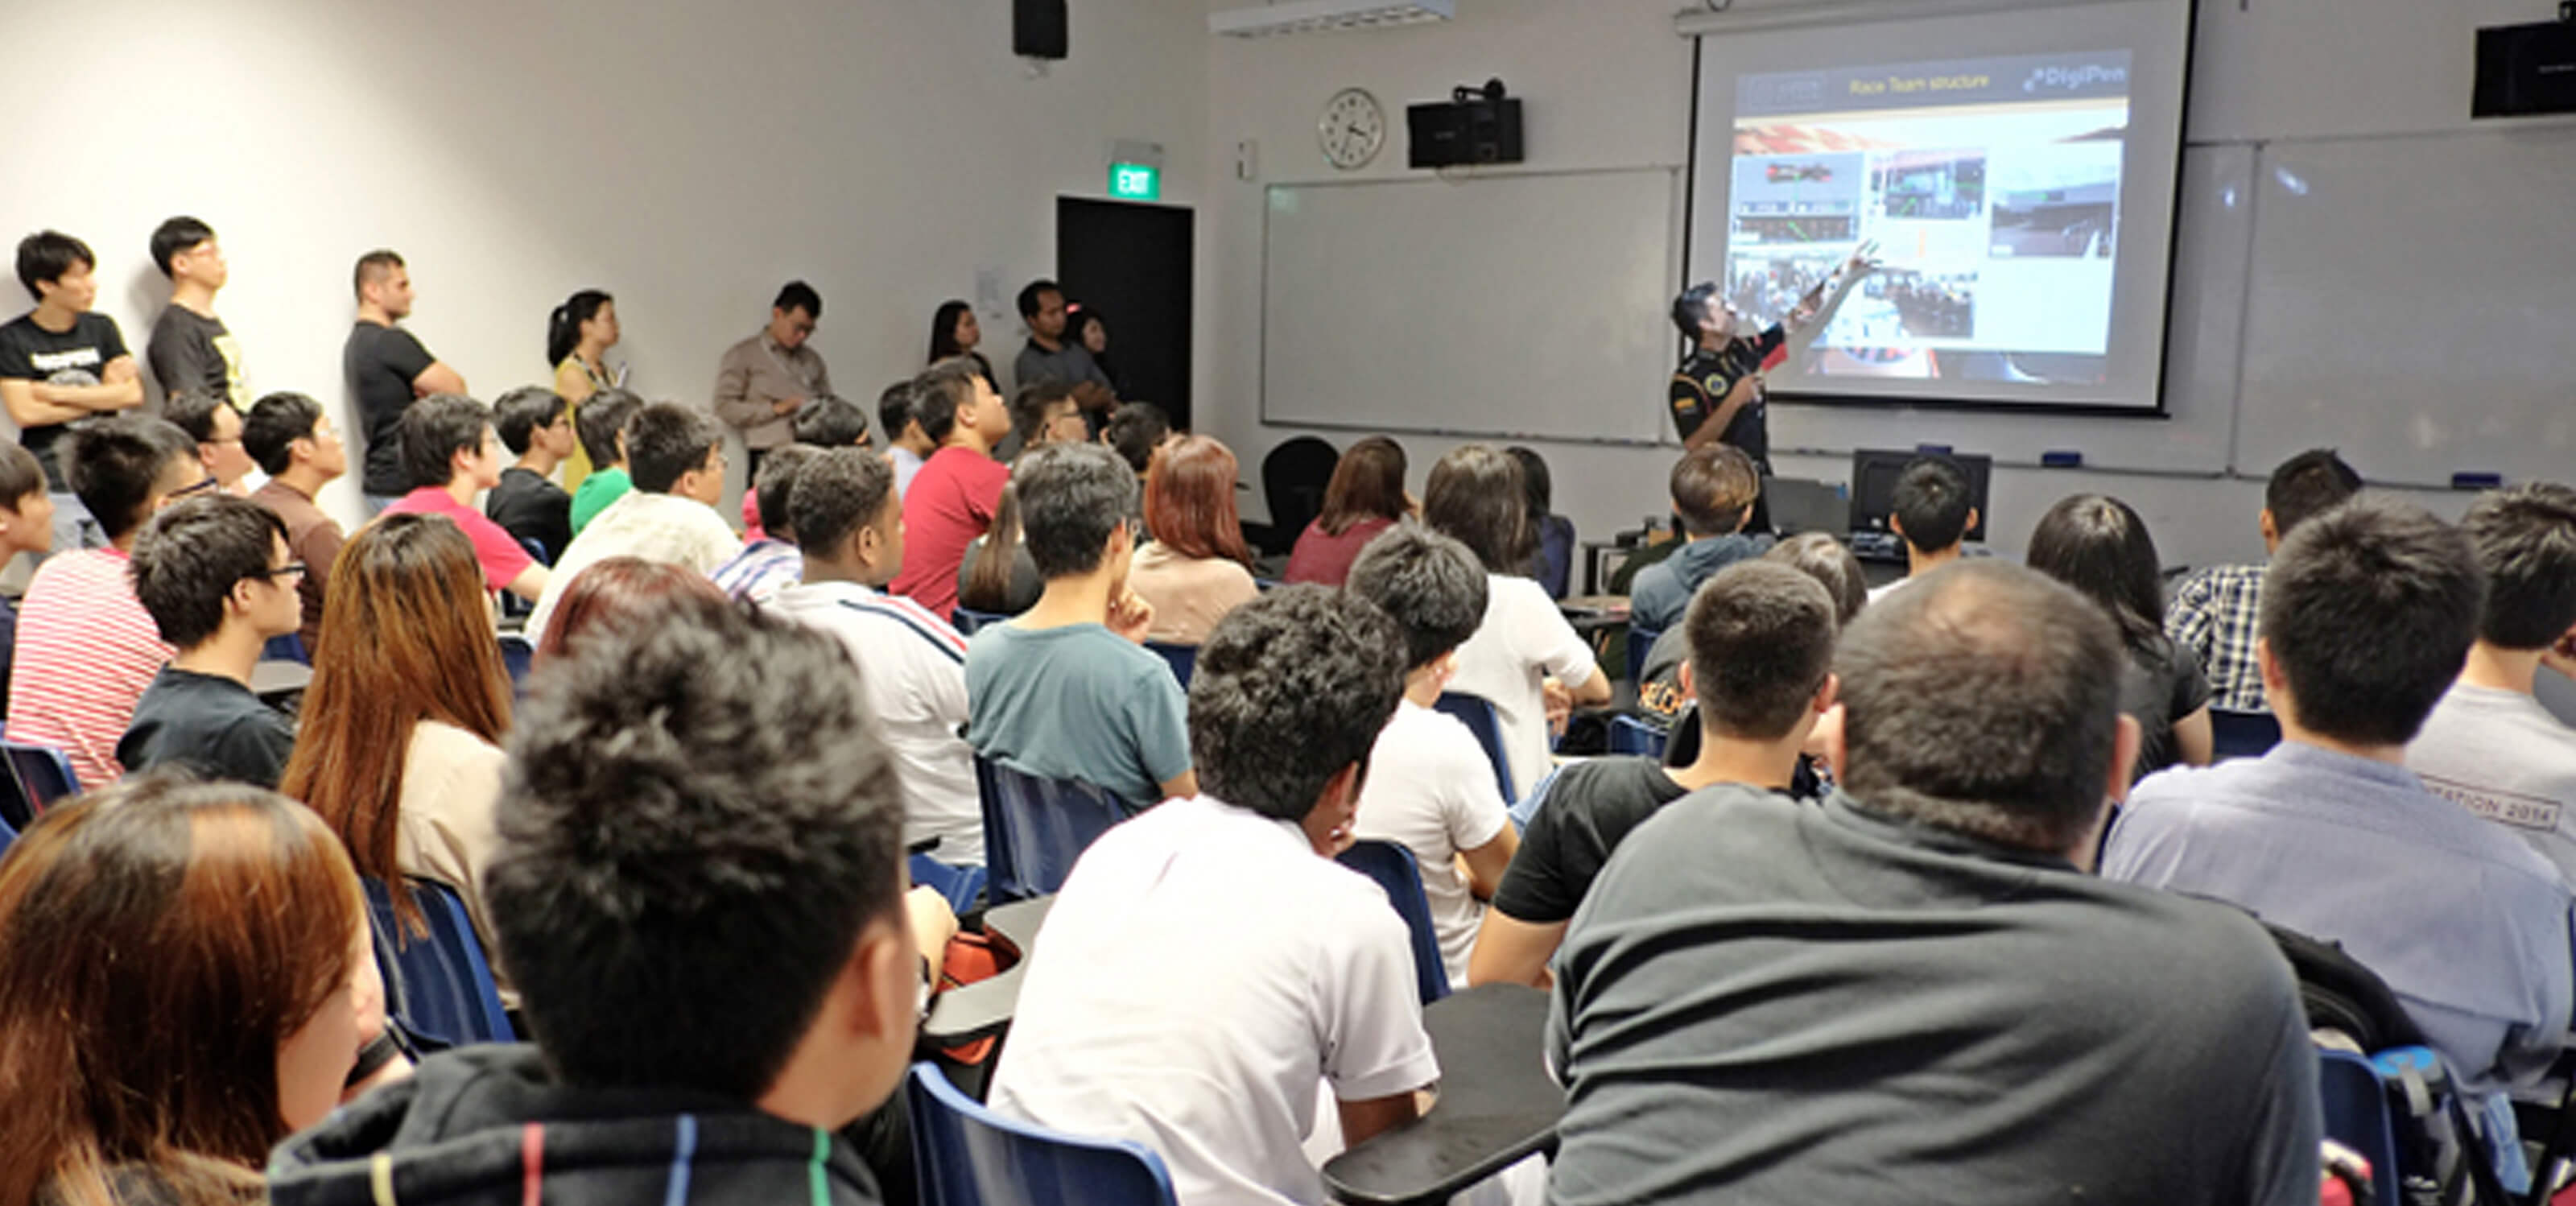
(86, 648)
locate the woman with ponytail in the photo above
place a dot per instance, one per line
(578, 336)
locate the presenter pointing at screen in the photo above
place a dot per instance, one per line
(1717, 392)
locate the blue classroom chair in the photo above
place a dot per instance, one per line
(965, 1154)
(439, 985)
(42, 775)
(1034, 828)
(1394, 869)
(2243, 734)
(1477, 713)
(1183, 659)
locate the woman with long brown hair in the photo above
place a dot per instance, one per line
(179, 969)
(612, 592)
(1365, 498)
(400, 744)
(1198, 568)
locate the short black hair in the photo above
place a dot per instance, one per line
(2526, 542)
(1831, 562)
(193, 411)
(840, 491)
(1761, 638)
(1135, 430)
(937, 394)
(1932, 502)
(797, 295)
(1714, 486)
(273, 425)
(190, 555)
(2369, 610)
(112, 464)
(1031, 295)
(2307, 485)
(521, 413)
(599, 420)
(830, 421)
(21, 474)
(699, 813)
(775, 484)
(894, 409)
(434, 430)
(175, 236)
(1306, 660)
(1028, 410)
(666, 440)
(1690, 310)
(43, 257)
(1072, 497)
(373, 264)
(1430, 585)
(1983, 699)
(1474, 494)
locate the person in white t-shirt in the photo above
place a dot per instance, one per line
(1430, 787)
(849, 519)
(1208, 967)
(2489, 744)
(1525, 658)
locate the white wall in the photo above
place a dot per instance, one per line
(687, 157)
(1608, 85)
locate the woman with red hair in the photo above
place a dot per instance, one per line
(1198, 568)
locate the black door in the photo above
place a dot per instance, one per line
(1134, 264)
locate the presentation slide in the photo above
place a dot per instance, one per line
(2019, 214)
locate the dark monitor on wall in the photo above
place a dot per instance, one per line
(1873, 486)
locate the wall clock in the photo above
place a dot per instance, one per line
(1352, 129)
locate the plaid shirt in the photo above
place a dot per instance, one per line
(2214, 615)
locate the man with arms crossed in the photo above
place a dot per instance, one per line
(388, 370)
(62, 362)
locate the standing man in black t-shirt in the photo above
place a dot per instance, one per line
(191, 351)
(60, 363)
(1717, 393)
(388, 370)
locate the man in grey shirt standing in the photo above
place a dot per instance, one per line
(764, 379)
(1049, 356)
(190, 349)
(1916, 992)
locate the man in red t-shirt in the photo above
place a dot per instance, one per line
(953, 498)
(452, 453)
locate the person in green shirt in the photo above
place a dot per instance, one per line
(601, 423)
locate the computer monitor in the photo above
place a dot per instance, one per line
(1874, 474)
(1799, 506)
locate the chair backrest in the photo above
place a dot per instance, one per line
(2243, 734)
(1477, 713)
(1182, 658)
(285, 647)
(1394, 869)
(2356, 1116)
(8, 837)
(1556, 555)
(518, 653)
(43, 773)
(1641, 640)
(967, 620)
(964, 1154)
(1035, 828)
(963, 887)
(1293, 477)
(439, 985)
(1629, 735)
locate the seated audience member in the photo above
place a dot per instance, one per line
(295, 445)
(953, 498)
(1067, 690)
(823, 421)
(1007, 583)
(1932, 515)
(601, 424)
(1299, 974)
(1761, 640)
(2216, 611)
(26, 526)
(2489, 744)
(86, 649)
(1661, 697)
(536, 426)
(676, 456)
(1365, 497)
(1044, 413)
(1197, 568)
(769, 561)
(1430, 786)
(1714, 489)
(2099, 546)
(912, 665)
(1553, 533)
(747, 892)
(1524, 659)
(1916, 992)
(219, 580)
(2368, 613)
(211, 421)
(1136, 431)
(908, 447)
(185, 980)
(617, 591)
(452, 454)
(61, 363)
(399, 749)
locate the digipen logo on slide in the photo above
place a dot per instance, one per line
(2074, 79)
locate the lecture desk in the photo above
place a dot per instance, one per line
(1496, 1106)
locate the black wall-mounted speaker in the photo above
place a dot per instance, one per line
(2526, 70)
(1038, 29)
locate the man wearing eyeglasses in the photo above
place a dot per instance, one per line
(218, 578)
(1717, 393)
(764, 379)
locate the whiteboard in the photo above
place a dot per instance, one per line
(2413, 303)
(1529, 305)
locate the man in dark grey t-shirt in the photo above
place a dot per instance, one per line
(191, 351)
(1050, 356)
(1917, 992)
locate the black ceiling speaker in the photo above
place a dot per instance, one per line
(1038, 28)
(2527, 70)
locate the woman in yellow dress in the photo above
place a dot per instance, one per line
(578, 336)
